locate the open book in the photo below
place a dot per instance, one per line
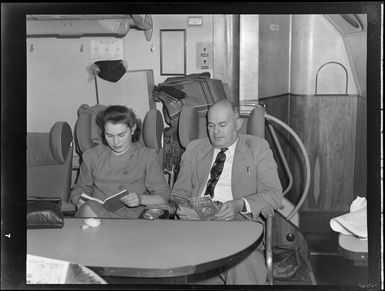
(204, 206)
(111, 203)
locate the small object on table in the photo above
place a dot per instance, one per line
(90, 222)
(155, 213)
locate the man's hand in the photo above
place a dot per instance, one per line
(131, 199)
(229, 210)
(185, 213)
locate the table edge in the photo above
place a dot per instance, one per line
(178, 271)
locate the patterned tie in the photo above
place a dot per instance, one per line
(215, 172)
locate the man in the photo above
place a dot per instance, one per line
(248, 180)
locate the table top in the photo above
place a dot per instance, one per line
(147, 248)
(353, 248)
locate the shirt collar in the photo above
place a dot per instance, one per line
(231, 148)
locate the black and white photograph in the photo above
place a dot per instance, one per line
(152, 145)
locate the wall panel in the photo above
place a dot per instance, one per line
(327, 126)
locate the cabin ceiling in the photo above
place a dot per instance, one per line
(79, 25)
(77, 16)
(344, 23)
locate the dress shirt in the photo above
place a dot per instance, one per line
(222, 191)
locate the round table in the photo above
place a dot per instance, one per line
(147, 248)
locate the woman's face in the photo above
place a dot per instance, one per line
(118, 136)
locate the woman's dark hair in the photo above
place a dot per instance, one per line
(119, 114)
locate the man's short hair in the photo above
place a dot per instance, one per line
(234, 107)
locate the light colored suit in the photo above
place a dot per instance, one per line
(254, 177)
(254, 172)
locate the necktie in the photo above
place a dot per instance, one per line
(215, 172)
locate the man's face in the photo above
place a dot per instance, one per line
(223, 125)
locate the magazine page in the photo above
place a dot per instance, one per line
(204, 206)
(86, 197)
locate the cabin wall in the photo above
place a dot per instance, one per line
(58, 81)
(274, 55)
(315, 42)
(249, 57)
(331, 124)
(278, 60)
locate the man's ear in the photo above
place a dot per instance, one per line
(133, 129)
(239, 123)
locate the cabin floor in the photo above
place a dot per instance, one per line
(332, 269)
(329, 267)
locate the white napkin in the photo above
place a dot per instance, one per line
(354, 222)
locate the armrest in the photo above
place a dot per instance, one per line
(268, 214)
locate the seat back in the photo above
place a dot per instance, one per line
(193, 123)
(152, 129)
(280, 234)
(88, 134)
(49, 162)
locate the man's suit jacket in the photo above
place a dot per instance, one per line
(254, 173)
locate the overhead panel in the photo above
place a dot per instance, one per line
(79, 25)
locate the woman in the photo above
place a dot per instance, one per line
(120, 163)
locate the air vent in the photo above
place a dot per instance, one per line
(353, 20)
(348, 23)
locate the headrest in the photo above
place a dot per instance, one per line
(152, 129)
(87, 132)
(256, 122)
(38, 149)
(60, 138)
(49, 148)
(83, 133)
(188, 128)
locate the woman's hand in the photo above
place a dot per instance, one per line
(80, 203)
(131, 200)
(185, 213)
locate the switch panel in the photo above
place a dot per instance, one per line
(204, 55)
(107, 49)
